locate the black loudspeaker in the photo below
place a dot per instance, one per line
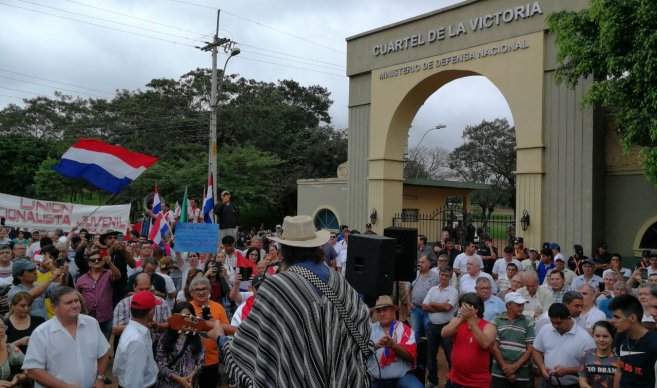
(405, 252)
(370, 264)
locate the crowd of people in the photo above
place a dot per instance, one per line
(65, 296)
(530, 317)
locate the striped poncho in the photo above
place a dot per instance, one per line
(294, 337)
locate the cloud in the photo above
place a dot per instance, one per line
(48, 44)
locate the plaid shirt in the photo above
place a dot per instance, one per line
(122, 314)
(558, 296)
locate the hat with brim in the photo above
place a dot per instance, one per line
(106, 235)
(299, 231)
(515, 298)
(144, 300)
(21, 266)
(384, 301)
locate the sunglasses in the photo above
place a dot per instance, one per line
(95, 259)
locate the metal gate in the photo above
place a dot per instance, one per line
(463, 226)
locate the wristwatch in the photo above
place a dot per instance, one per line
(100, 377)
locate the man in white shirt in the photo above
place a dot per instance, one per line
(468, 282)
(460, 262)
(440, 303)
(134, 364)
(69, 349)
(539, 298)
(558, 348)
(5, 266)
(507, 257)
(590, 313)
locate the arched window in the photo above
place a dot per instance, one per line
(326, 219)
(649, 238)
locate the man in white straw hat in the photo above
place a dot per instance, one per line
(307, 327)
(396, 351)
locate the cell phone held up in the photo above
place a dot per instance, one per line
(205, 312)
(245, 272)
(644, 273)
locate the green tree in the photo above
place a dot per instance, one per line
(51, 185)
(269, 135)
(20, 157)
(614, 43)
(488, 155)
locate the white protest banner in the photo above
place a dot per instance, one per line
(49, 215)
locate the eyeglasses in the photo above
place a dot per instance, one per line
(200, 290)
(3, 328)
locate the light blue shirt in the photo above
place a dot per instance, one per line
(493, 306)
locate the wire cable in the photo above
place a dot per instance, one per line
(201, 35)
(108, 20)
(262, 25)
(53, 81)
(240, 57)
(99, 25)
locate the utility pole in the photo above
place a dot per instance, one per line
(212, 152)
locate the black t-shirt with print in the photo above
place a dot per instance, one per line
(637, 359)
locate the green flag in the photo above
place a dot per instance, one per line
(183, 208)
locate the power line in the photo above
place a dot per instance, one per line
(140, 19)
(48, 86)
(292, 60)
(288, 66)
(7, 95)
(262, 25)
(289, 55)
(21, 91)
(108, 20)
(98, 25)
(53, 81)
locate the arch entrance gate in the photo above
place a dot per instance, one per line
(394, 69)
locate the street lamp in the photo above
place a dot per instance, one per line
(213, 117)
(439, 126)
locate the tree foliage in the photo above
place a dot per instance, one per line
(428, 163)
(614, 43)
(488, 156)
(269, 135)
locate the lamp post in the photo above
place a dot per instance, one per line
(439, 126)
(213, 117)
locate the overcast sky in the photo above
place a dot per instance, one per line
(92, 48)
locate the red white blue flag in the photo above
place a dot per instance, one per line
(208, 204)
(160, 226)
(105, 166)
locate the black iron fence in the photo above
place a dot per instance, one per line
(463, 226)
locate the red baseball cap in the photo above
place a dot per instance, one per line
(144, 300)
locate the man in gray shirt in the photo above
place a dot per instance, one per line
(416, 291)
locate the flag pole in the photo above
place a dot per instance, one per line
(95, 210)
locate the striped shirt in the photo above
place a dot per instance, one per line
(513, 338)
(295, 337)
